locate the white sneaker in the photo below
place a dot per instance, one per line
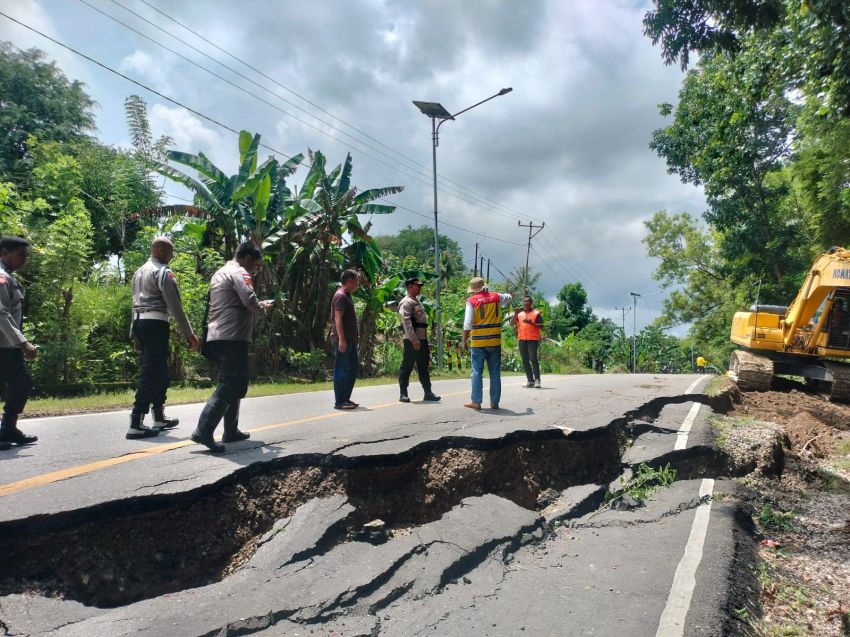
(530, 383)
(536, 383)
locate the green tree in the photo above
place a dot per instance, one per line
(36, 101)
(413, 248)
(238, 206)
(811, 33)
(702, 290)
(731, 134)
(572, 313)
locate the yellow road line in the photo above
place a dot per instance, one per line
(80, 470)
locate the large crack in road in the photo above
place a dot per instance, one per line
(298, 520)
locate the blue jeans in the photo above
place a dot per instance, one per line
(346, 368)
(493, 356)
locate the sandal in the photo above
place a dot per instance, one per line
(351, 402)
(347, 406)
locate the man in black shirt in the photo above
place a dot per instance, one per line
(344, 339)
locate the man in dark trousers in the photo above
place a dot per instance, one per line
(529, 322)
(230, 332)
(15, 379)
(155, 297)
(344, 338)
(414, 322)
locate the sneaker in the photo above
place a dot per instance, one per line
(404, 398)
(431, 396)
(537, 383)
(475, 406)
(494, 405)
(530, 383)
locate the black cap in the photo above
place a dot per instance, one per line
(413, 281)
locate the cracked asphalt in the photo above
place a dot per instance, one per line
(486, 567)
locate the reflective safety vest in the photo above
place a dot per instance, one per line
(528, 331)
(486, 319)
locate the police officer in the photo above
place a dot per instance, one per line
(15, 379)
(233, 306)
(414, 323)
(155, 296)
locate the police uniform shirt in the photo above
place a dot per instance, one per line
(11, 310)
(155, 290)
(414, 322)
(233, 304)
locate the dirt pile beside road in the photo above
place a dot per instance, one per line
(803, 515)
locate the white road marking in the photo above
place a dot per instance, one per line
(685, 429)
(672, 623)
(693, 385)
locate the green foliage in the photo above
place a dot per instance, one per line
(644, 483)
(572, 313)
(38, 101)
(773, 520)
(413, 248)
(811, 33)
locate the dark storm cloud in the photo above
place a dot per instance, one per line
(569, 145)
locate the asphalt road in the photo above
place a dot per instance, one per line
(485, 567)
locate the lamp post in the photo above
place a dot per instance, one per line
(436, 112)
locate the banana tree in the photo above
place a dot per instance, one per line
(237, 205)
(319, 235)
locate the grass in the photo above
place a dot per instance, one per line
(774, 520)
(716, 385)
(183, 395)
(645, 482)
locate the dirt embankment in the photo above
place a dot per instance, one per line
(803, 515)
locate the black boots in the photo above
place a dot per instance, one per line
(231, 425)
(429, 396)
(138, 429)
(212, 413)
(11, 435)
(160, 421)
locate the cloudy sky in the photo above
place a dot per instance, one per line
(568, 147)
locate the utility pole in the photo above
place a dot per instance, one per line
(475, 262)
(481, 269)
(624, 310)
(530, 227)
(635, 297)
(488, 271)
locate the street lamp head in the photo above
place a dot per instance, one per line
(505, 91)
(433, 109)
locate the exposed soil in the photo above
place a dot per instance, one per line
(114, 558)
(802, 516)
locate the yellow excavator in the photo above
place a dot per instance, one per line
(808, 338)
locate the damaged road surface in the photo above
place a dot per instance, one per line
(420, 519)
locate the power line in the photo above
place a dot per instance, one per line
(301, 97)
(218, 123)
(546, 263)
(556, 252)
(459, 191)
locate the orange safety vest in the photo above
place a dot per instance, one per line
(486, 319)
(528, 331)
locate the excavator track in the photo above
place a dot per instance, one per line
(752, 372)
(840, 390)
